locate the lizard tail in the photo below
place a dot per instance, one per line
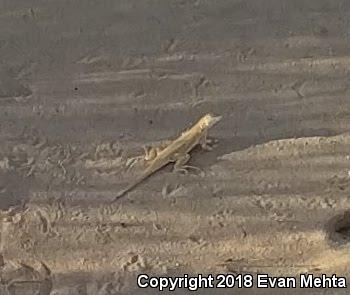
(123, 192)
(149, 171)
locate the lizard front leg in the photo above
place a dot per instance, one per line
(204, 142)
(180, 164)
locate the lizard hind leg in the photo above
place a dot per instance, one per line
(149, 154)
(180, 164)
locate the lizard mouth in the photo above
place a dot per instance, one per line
(214, 120)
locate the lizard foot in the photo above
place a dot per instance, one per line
(185, 169)
(208, 144)
(149, 154)
(131, 162)
(212, 140)
(207, 147)
(180, 164)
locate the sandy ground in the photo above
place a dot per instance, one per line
(84, 84)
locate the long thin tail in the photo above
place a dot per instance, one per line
(123, 192)
(153, 167)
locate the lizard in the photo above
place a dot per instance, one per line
(176, 151)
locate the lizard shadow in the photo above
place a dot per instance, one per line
(201, 158)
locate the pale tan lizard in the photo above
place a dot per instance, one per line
(176, 151)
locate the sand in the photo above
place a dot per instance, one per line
(85, 84)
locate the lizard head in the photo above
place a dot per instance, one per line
(208, 120)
